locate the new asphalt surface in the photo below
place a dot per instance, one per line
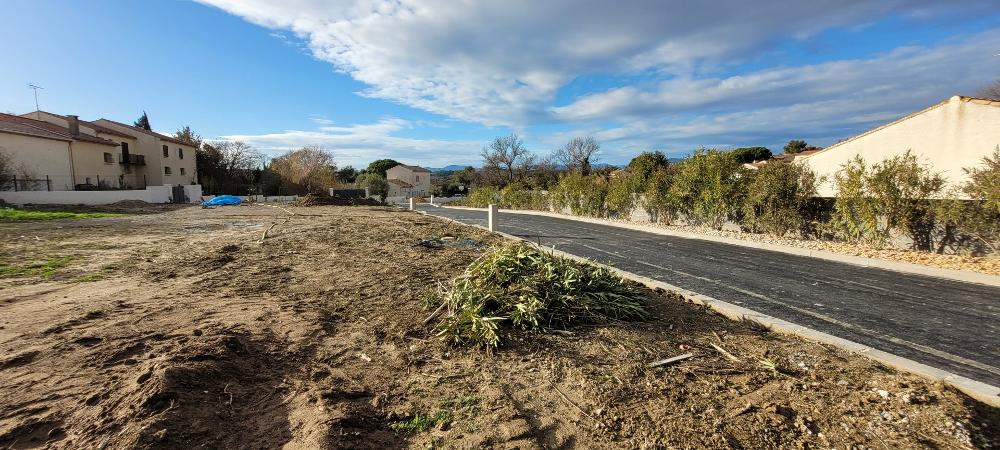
(951, 325)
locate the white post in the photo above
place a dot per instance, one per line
(492, 217)
(411, 204)
(432, 199)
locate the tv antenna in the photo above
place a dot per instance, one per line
(36, 88)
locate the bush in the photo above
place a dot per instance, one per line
(376, 185)
(974, 223)
(583, 195)
(656, 199)
(893, 195)
(520, 285)
(482, 197)
(707, 188)
(778, 198)
(620, 200)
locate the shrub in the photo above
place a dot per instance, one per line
(522, 286)
(656, 199)
(707, 188)
(643, 167)
(376, 185)
(893, 195)
(974, 223)
(583, 195)
(778, 198)
(482, 197)
(620, 199)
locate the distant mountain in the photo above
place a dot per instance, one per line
(449, 168)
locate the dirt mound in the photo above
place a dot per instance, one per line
(325, 200)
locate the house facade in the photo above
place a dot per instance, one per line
(947, 137)
(408, 181)
(73, 154)
(49, 156)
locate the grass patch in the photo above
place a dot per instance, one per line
(21, 215)
(521, 286)
(101, 274)
(422, 422)
(44, 269)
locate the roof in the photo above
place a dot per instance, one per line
(956, 98)
(39, 128)
(399, 182)
(150, 132)
(96, 127)
(415, 168)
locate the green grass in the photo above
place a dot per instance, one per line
(102, 273)
(44, 269)
(522, 286)
(21, 215)
(422, 422)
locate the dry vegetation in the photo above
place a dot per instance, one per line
(180, 330)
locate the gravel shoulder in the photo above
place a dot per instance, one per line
(181, 328)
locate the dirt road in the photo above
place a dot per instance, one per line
(181, 330)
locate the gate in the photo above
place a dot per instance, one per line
(178, 194)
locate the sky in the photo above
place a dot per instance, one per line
(430, 82)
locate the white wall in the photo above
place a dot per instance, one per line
(947, 137)
(152, 194)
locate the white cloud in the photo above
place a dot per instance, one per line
(360, 144)
(501, 63)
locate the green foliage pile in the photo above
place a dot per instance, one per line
(521, 286)
(778, 197)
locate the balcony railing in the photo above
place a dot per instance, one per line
(138, 160)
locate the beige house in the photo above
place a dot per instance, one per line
(408, 181)
(49, 156)
(168, 161)
(947, 137)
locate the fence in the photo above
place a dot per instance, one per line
(94, 182)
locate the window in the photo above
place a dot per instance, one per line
(108, 158)
(418, 178)
(166, 170)
(166, 151)
(183, 172)
(180, 155)
(124, 148)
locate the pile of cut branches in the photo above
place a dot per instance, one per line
(521, 286)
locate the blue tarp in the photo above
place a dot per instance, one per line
(222, 200)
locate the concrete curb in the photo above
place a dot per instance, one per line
(982, 392)
(896, 266)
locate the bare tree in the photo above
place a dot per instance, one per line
(579, 154)
(506, 159)
(992, 91)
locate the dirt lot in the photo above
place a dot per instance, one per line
(179, 330)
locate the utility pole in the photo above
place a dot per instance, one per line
(36, 88)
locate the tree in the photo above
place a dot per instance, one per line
(795, 146)
(646, 164)
(308, 170)
(376, 185)
(143, 122)
(506, 160)
(347, 175)
(465, 178)
(746, 155)
(379, 166)
(578, 154)
(185, 134)
(707, 188)
(991, 91)
(227, 167)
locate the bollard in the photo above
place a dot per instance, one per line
(432, 199)
(492, 218)
(412, 204)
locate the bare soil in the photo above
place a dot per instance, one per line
(183, 330)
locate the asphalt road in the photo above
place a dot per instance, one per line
(951, 325)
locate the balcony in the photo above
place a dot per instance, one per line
(136, 160)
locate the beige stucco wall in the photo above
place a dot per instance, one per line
(421, 181)
(956, 134)
(88, 160)
(40, 157)
(176, 163)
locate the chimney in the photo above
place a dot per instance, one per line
(73, 123)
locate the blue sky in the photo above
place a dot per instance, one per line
(431, 81)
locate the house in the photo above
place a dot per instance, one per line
(139, 157)
(50, 156)
(408, 181)
(952, 135)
